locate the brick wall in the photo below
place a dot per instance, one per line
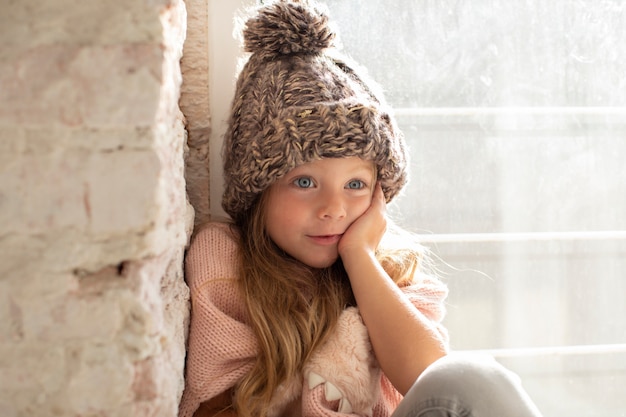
(94, 217)
(194, 102)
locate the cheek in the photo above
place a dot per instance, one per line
(282, 214)
(361, 206)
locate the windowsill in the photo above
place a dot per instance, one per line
(522, 237)
(554, 351)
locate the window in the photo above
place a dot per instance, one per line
(515, 114)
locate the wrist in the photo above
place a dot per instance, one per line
(357, 257)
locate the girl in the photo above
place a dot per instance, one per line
(305, 304)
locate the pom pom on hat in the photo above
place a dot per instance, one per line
(288, 28)
(296, 102)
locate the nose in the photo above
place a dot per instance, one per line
(331, 205)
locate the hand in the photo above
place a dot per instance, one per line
(365, 233)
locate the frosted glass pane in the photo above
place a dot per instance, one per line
(454, 53)
(472, 177)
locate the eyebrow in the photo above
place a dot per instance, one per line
(358, 171)
(369, 170)
(366, 170)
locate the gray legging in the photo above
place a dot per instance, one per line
(467, 385)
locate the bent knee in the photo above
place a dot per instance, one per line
(467, 372)
(468, 384)
(466, 379)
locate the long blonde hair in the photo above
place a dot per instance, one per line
(291, 306)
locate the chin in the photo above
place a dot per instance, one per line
(319, 263)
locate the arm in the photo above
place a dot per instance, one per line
(221, 346)
(404, 340)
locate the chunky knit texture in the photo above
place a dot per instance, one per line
(222, 345)
(298, 100)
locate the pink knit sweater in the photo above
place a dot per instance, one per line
(343, 377)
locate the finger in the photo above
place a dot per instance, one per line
(378, 191)
(379, 195)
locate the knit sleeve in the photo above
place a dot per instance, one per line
(428, 294)
(222, 346)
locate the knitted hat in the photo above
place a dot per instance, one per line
(297, 101)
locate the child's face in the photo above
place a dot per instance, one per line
(310, 207)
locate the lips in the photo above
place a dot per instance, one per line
(325, 239)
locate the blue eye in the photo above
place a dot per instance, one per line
(355, 184)
(304, 182)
